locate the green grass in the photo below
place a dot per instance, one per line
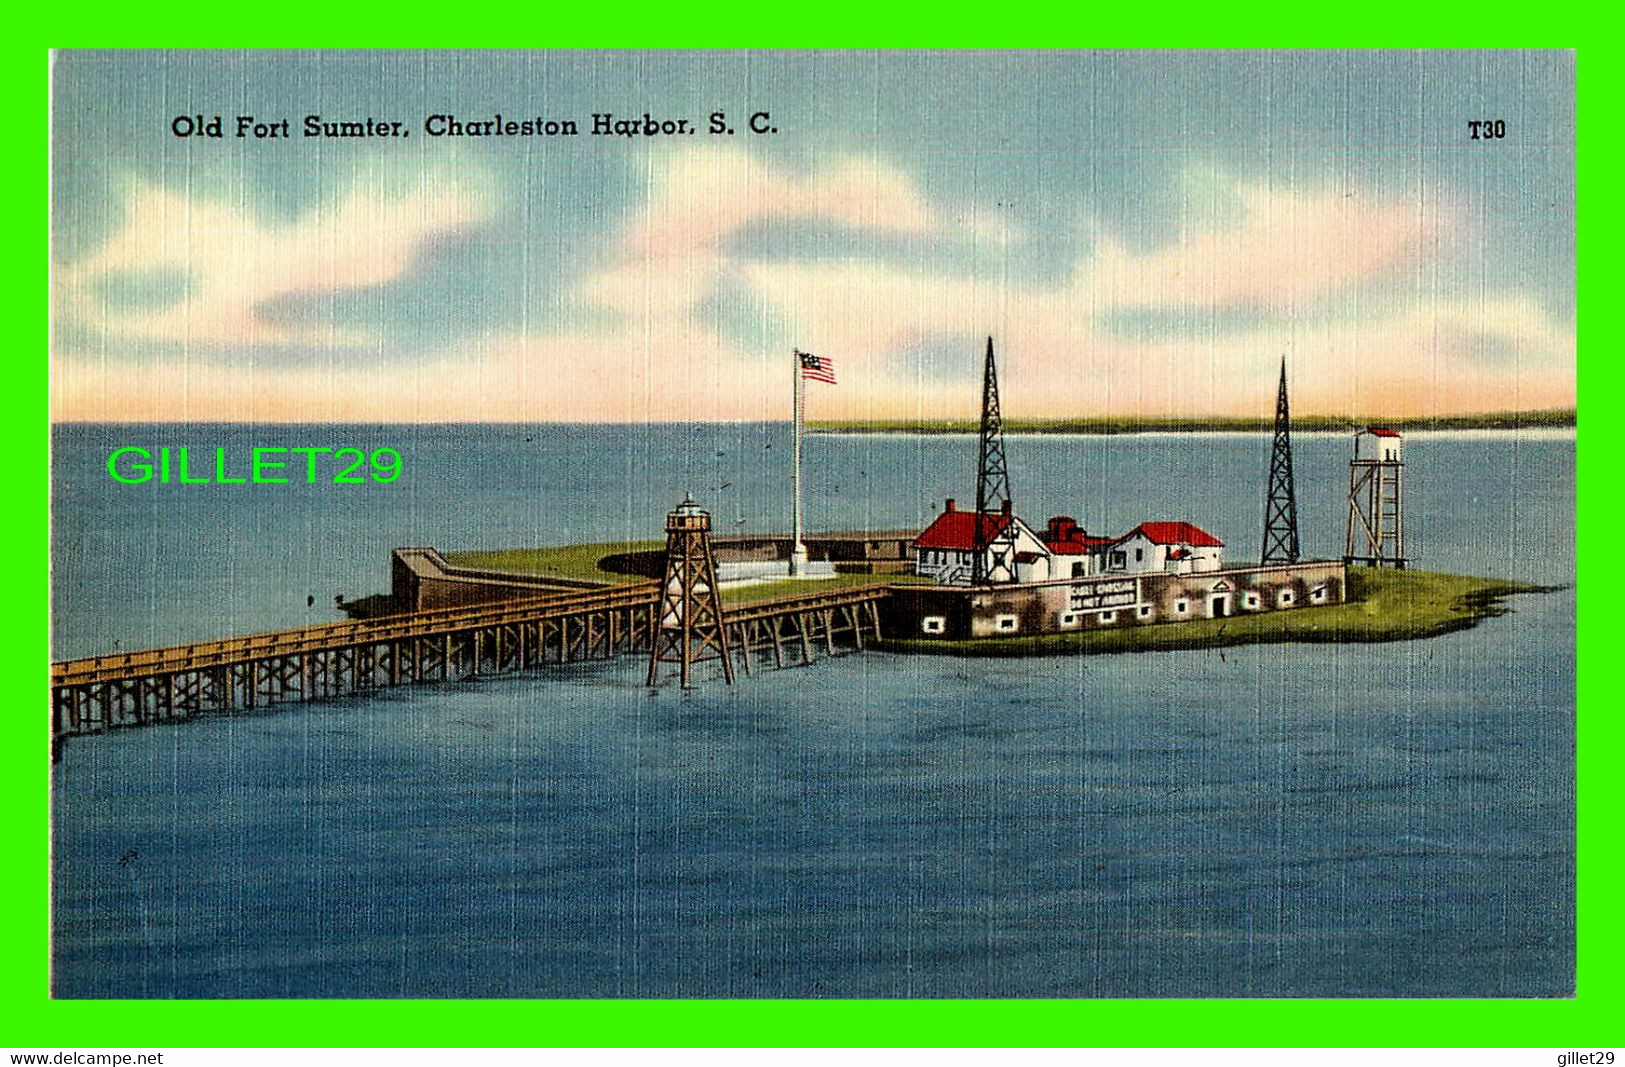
(564, 561)
(1118, 424)
(582, 561)
(1383, 605)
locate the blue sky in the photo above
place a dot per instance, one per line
(1140, 232)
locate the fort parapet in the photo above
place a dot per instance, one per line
(421, 579)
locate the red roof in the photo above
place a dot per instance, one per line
(1077, 547)
(1381, 431)
(1174, 533)
(956, 530)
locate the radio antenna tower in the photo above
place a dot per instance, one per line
(1281, 503)
(993, 554)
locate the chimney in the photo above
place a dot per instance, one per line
(949, 506)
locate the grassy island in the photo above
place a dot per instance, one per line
(1383, 605)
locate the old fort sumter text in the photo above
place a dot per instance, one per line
(598, 124)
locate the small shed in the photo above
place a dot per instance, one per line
(1378, 444)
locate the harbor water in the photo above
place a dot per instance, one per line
(1272, 821)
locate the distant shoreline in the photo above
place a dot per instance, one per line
(1129, 424)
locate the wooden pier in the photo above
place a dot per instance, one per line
(157, 685)
(804, 623)
(336, 659)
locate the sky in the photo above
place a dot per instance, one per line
(1140, 234)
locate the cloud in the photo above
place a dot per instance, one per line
(1341, 282)
(698, 197)
(671, 254)
(1286, 248)
(240, 269)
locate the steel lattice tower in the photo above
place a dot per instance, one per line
(1281, 503)
(690, 627)
(992, 554)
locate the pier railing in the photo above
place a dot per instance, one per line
(800, 624)
(155, 685)
(326, 636)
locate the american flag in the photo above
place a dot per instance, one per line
(816, 368)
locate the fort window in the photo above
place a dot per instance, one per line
(1005, 622)
(1145, 611)
(1181, 607)
(1318, 595)
(1286, 598)
(1251, 600)
(1108, 616)
(934, 624)
(1069, 619)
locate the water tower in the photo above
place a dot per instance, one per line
(690, 627)
(1376, 535)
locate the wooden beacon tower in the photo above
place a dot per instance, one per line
(690, 627)
(1376, 531)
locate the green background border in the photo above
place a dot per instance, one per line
(28, 1018)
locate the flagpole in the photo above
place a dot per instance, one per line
(798, 551)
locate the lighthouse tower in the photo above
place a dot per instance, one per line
(690, 628)
(1376, 533)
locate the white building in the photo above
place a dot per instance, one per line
(944, 550)
(1073, 553)
(1173, 547)
(1378, 444)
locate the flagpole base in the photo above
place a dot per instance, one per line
(798, 560)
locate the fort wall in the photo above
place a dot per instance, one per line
(1106, 601)
(420, 579)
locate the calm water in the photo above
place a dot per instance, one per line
(1391, 820)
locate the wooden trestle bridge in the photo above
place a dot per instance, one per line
(336, 659)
